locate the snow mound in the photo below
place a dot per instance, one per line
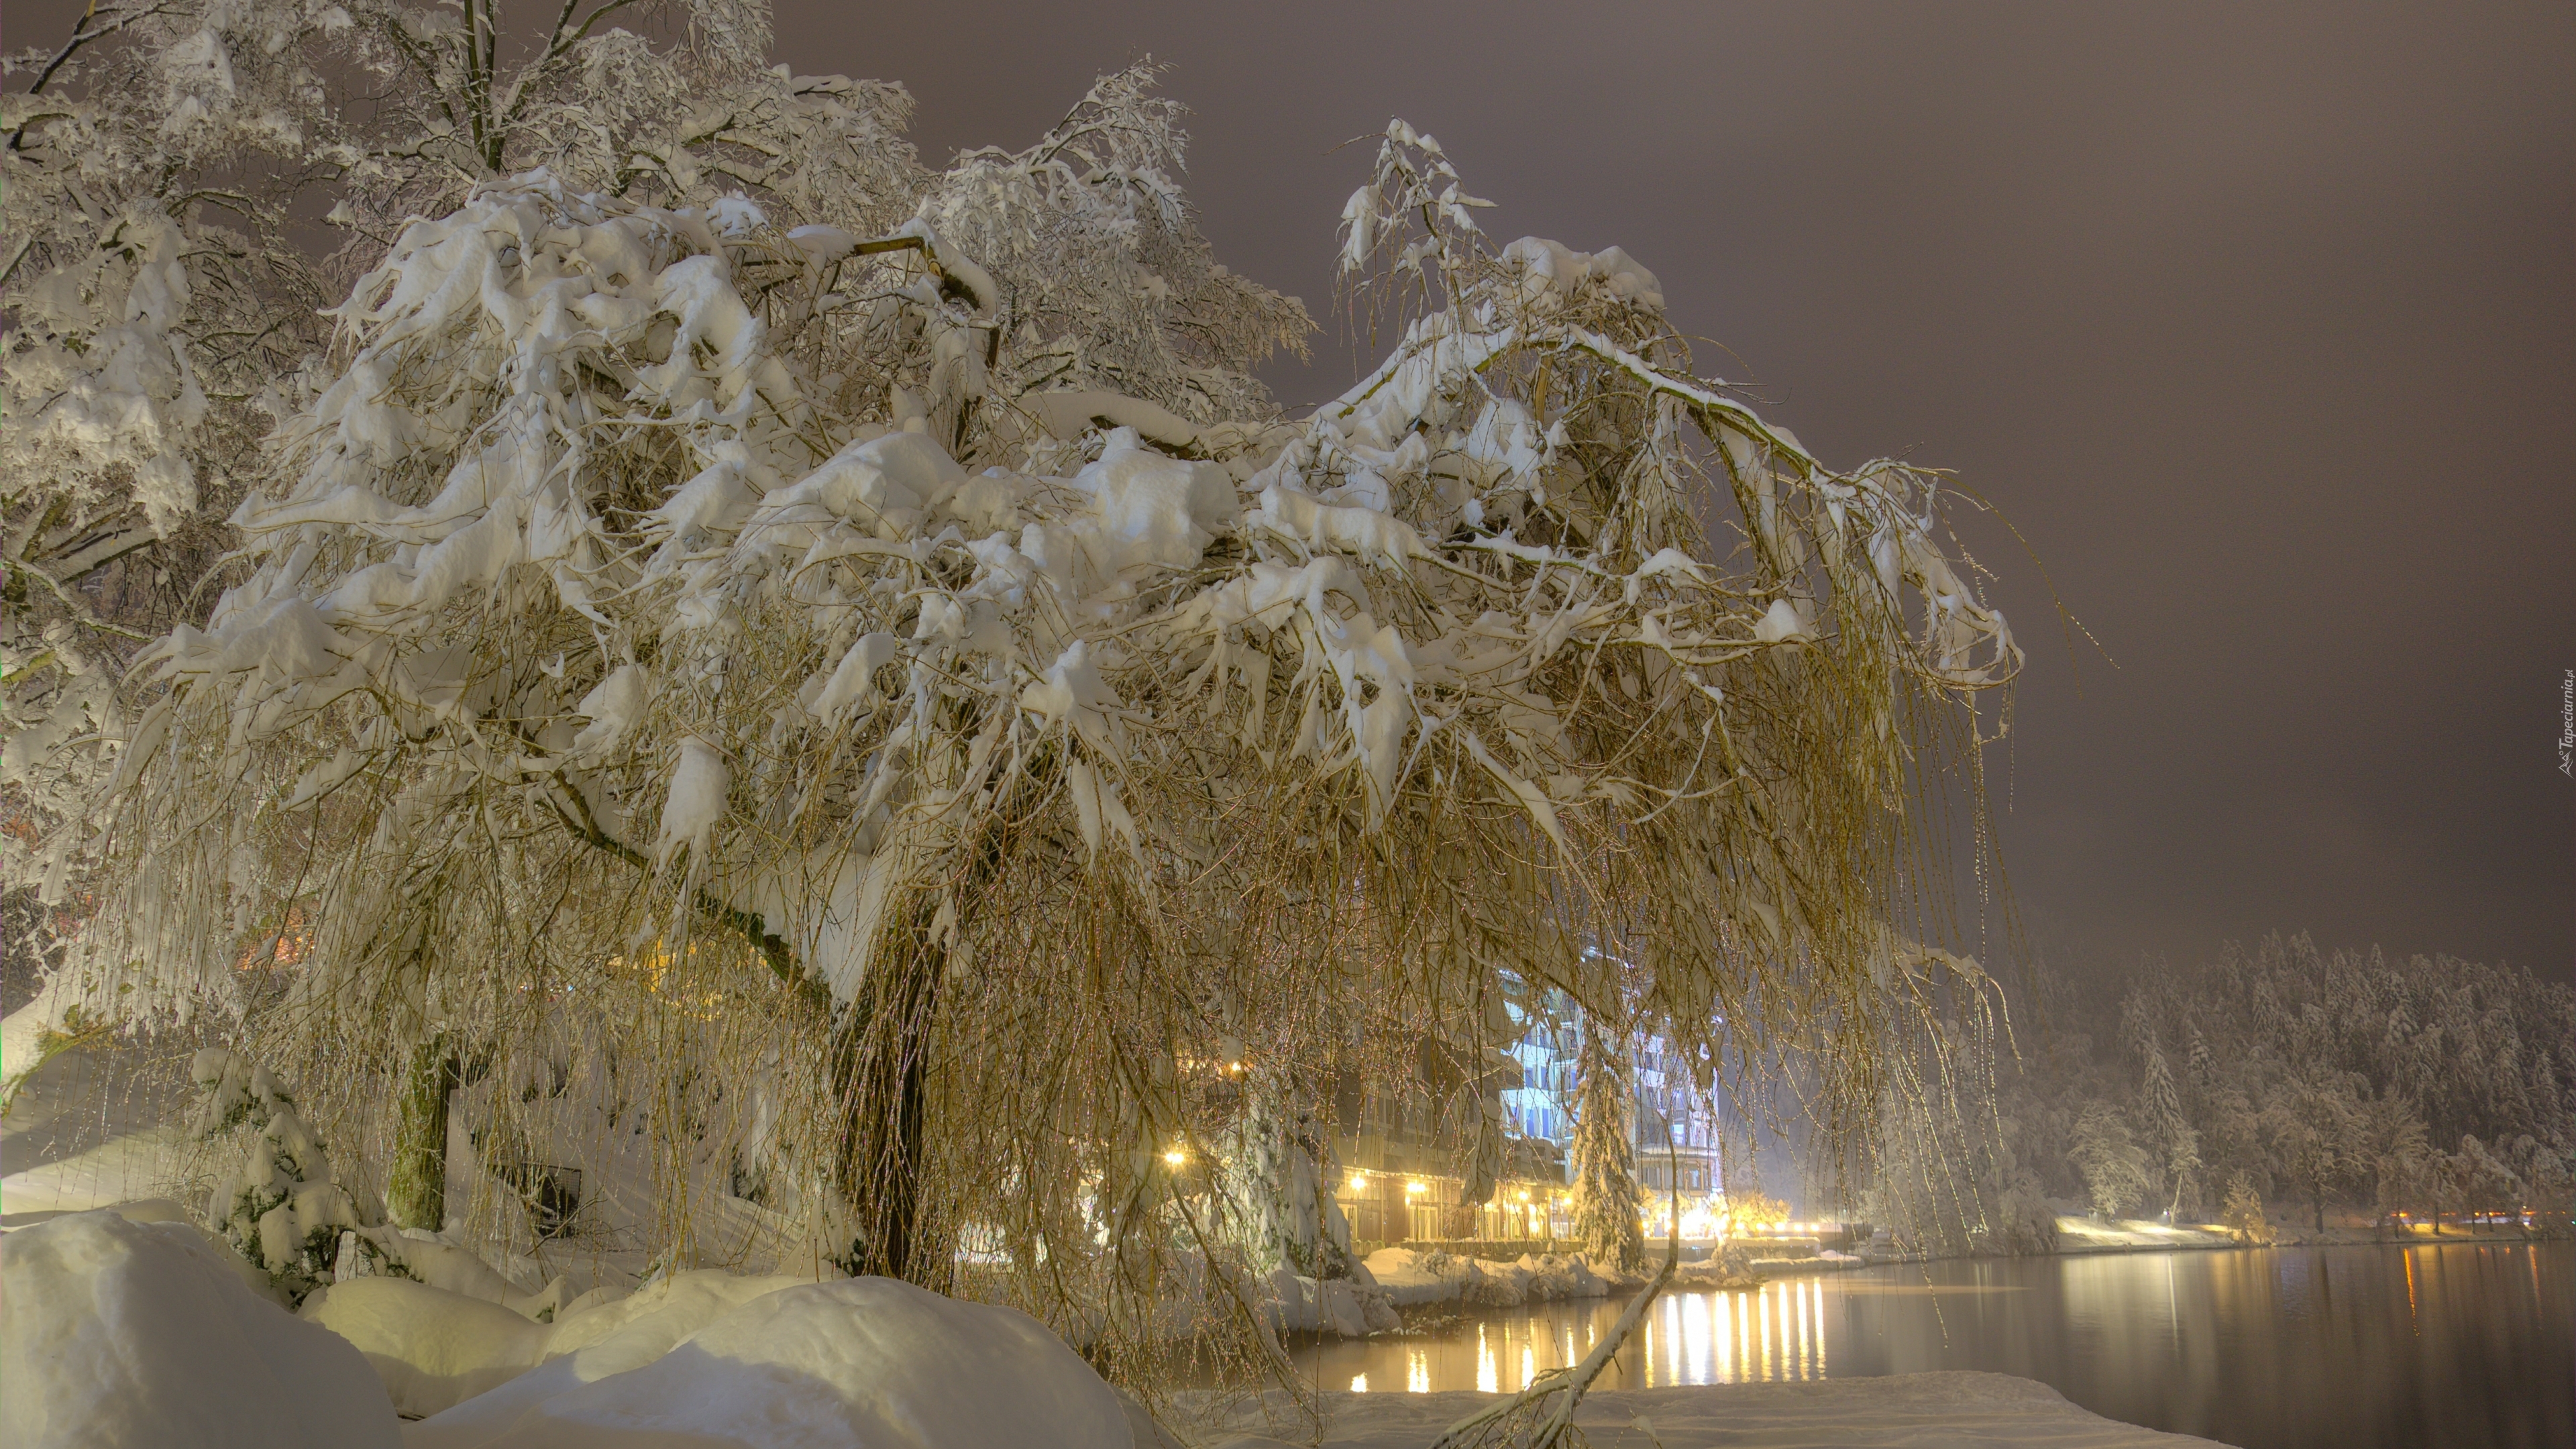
(868, 1361)
(125, 1335)
(433, 1348)
(1409, 1277)
(583, 1347)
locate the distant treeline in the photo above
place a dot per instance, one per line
(2281, 1083)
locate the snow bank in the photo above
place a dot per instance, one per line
(1917, 1411)
(2093, 1235)
(132, 1334)
(867, 1361)
(1411, 1277)
(433, 1348)
(1553, 1276)
(436, 1347)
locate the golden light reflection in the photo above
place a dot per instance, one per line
(1820, 1330)
(1806, 1343)
(1775, 1333)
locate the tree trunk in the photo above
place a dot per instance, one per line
(416, 1195)
(880, 1055)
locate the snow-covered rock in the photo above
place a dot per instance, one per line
(1409, 1277)
(125, 1335)
(1376, 1308)
(1353, 1307)
(1554, 1276)
(1496, 1285)
(868, 1361)
(658, 1316)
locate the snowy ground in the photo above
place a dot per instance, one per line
(2093, 1235)
(1917, 1411)
(82, 1133)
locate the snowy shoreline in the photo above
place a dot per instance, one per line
(124, 1334)
(1951, 1410)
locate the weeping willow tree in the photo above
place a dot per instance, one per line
(907, 715)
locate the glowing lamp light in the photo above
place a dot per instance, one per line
(1176, 1157)
(1525, 1194)
(1412, 1188)
(1358, 1183)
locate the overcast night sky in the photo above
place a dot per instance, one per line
(2256, 321)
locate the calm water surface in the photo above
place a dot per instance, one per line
(2271, 1348)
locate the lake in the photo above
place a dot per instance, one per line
(2267, 1348)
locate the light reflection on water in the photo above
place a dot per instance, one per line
(1774, 1335)
(2270, 1349)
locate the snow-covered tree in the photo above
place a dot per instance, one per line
(2310, 1122)
(2243, 1212)
(164, 314)
(1606, 1205)
(2172, 1144)
(688, 582)
(280, 1207)
(2106, 1151)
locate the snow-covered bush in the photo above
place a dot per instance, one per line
(2243, 1212)
(280, 1208)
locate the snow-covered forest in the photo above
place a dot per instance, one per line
(2285, 1085)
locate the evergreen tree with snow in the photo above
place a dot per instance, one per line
(2106, 1151)
(1607, 1207)
(280, 1208)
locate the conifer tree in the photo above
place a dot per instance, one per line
(1608, 1209)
